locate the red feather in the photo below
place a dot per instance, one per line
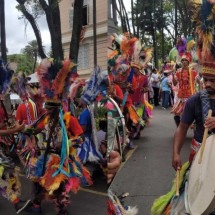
(58, 83)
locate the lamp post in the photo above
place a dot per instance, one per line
(155, 37)
(176, 20)
(94, 33)
(162, 32)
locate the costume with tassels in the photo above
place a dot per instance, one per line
(6, 75)
(10, 186)
(96, 87)
(127, 55)
(197, 109)
(115, 205)
(54, 165)
(186, 85)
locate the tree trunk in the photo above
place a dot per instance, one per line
(3, 33)
(52, 12)
(76, 31)
(31, 19)
(132, 16)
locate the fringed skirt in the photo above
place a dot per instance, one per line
(179, 107)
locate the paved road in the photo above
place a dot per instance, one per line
(148, 174)
(88, 201)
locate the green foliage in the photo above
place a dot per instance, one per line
(34, 7)
(24, 63)
(149, 15)
(100, 114)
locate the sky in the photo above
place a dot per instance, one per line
(17, 34)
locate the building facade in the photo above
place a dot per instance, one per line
(86, 51)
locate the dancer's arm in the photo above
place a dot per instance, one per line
(13, 130)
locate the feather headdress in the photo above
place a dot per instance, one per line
(204, 20)
(5, 77)
(18, 84)
(54, 77)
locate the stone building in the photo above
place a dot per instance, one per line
(106, 21)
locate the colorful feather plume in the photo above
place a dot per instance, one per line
(161, 204)
(74, 88)
(19, 84)
(115, 206)
(54, 77)
(204, 17)
(181, 45)
(5, 77)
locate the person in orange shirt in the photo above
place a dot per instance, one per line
(185, 78)
(26, 111)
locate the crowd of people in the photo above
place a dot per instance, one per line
(57, 133)
(195, 97)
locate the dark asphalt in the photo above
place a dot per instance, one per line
(148, 173)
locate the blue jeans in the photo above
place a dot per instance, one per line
(165, 98)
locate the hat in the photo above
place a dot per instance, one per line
(136, 65)
(187, 56)
(203, 17)
(168, 67)
(124, 67)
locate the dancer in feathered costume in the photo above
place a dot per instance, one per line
(196, 109)
(185, 78)
(181, 45)
(132, 56)
(6, 75)
(55, 168)
(10, 186)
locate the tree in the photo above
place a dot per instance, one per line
(31, 50)
(76, 32)
(23, 62)
(149, 18)
(34, 25)
(2, 29)
(52, 12)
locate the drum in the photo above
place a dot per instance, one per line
(201, 181)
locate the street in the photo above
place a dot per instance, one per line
(145, 175)
(148, 173)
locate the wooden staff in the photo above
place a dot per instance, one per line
(177, 182)
(204, 139)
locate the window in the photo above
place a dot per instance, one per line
(83, 57)
(85, 14)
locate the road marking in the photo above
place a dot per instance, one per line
(94, 192)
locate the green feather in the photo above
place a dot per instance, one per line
(161, 203)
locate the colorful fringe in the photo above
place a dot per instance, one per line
(134, 116)
(78, 174)
(179, 107)
(10, 186)
(115, 206)
(161, 205)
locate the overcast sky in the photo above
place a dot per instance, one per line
(17, 37)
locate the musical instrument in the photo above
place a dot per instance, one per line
(201, 182)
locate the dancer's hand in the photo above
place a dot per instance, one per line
(176, 162)
(210, 123)
(17, 127)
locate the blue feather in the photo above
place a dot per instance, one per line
(5, 77)
(38, 169)
(206, 10)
